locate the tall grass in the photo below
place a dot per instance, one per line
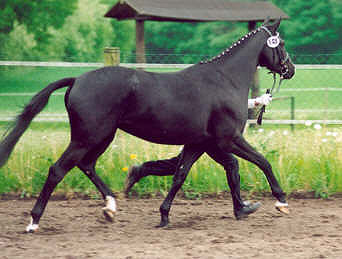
(304, 160)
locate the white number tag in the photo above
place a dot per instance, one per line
(273, 41)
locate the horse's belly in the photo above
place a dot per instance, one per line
(175, 136)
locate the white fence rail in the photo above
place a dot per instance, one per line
(53, 117)
(132, 65)
(46, 117)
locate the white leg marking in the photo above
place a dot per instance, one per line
(32, 227)
(282, 207)
(281, 204)
(247, 203)
(110, 208)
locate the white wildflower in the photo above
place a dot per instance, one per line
(308, 123)
(271, 133)
(317, 126)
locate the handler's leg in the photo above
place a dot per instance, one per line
(231, 166)
(159, 168)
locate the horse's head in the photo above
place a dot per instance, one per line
(273, 55)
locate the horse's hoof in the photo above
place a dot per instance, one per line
(163, 224)
(133, 176)
(109, 214)
(282, 207)
(32, 228)
(110, 209)
(249, 208)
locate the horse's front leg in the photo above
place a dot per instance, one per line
(188, 157)
(241, 148)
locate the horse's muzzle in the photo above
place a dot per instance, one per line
(287, 70)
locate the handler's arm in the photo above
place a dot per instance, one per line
(265, 99)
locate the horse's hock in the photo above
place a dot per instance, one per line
(111, 56)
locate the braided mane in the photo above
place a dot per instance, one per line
(228, 51)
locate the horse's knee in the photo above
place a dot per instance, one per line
(56, 174)
(265, 166)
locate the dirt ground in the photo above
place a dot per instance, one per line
(204, 228)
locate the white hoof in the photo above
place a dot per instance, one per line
(247, 203)
(282, 207)
(31, 228)
(110, 209)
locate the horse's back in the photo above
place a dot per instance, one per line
(166, 108)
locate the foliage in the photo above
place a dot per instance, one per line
(38, 16)
(207, 39)
(81, 37)
(299, 165)
(305, 34)
(32, 30)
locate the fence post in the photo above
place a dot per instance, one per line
(292, 111)
(255, 87)
(112, 56)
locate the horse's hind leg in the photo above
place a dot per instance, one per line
(72, 155)
(189, 156)
(87, 165)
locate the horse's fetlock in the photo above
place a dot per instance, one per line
(32, 227)
(164, 209)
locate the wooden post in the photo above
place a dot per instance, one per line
(140, 41)
(112, 56)
(255, 88)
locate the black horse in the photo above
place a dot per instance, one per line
(202, 106)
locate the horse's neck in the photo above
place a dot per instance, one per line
(242, 62)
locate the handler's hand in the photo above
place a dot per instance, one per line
(265, 99)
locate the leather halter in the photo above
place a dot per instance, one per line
(283, 70)
(283, 59)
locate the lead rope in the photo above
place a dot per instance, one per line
(269, 91)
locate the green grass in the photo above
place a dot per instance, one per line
(306, 160)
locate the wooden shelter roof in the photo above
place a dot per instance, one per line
(195, 10)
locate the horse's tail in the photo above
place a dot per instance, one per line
(23, 120)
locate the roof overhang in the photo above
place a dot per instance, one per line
(194, 10)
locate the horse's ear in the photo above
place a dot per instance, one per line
(266, 22)
(274, 27)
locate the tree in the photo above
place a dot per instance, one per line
(311, 28)
(37, 15)
(337, 20)
(191, 41)
(82, 36)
